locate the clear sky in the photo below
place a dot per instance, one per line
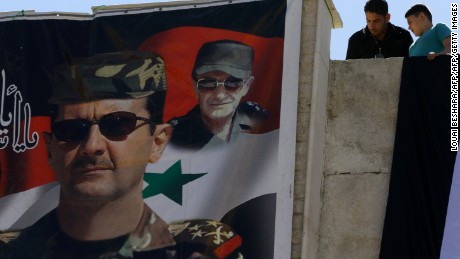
(351, 12)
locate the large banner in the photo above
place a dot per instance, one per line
(228, 94)
(422, 189)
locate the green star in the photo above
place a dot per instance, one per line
(168, 183)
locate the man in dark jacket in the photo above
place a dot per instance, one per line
(380, 38)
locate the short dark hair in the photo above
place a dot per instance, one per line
(376, 6)
(417, 9)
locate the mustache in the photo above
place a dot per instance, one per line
(84, 162)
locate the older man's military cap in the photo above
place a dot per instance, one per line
(232, 57)
(119, 75)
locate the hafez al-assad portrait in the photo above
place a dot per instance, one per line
(149, 131)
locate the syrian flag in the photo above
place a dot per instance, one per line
(420, 194)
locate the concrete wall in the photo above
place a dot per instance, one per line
(316, 132)
(314, 65)
(361, 121)
(345, 132)
(317, 22)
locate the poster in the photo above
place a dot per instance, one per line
(238, 175)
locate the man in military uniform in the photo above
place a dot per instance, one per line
(222, 76)
(106, 128)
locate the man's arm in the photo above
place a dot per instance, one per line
(443, 33)
(447, 45)
(352, 50)
(447, 48)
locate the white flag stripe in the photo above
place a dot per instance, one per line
(47, 202)
(229, 177)
(450, 248)
(14, 205)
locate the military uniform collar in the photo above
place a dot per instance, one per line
(151, 233)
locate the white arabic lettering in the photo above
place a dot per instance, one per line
(21, 142)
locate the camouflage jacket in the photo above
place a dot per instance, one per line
(153, 238)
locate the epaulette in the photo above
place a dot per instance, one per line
(7, 237)
(253, 109)
(216, 239)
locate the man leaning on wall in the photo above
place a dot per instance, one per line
(380, 38)
(432, 40)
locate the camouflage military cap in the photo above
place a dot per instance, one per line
(119, 75)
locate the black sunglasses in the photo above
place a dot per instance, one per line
(111, 125)
(231, 84)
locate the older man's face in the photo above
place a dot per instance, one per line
(100, 167)
(220, 103)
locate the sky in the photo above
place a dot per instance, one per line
(351, 13)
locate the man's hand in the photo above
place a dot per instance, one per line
(432, 55)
